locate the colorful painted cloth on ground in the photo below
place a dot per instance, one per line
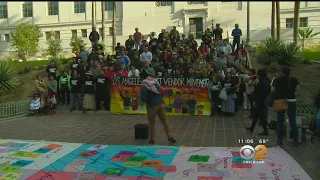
(32, 160)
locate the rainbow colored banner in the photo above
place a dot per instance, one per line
(182, 96)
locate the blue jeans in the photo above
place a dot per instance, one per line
(74, 97)
(292, 109)
(234, 43)
(137, 45)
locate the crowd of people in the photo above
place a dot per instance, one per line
(233, 83)
(170, 54)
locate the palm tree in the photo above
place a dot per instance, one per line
(273, 17)
(103, 20)
(278, 19)
(296, 21)
(248, 24)
(114, 23)
(306, 34)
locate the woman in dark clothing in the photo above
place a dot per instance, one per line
(260, 94)
(151, 95)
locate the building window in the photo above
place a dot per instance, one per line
(53, 8)
(303, 22)
(57, 34)
(74, 33)
(108, 6)
(195, 2)
(48, 35)
(27, 9)
(289, 23)
(3, 10)
(7, 37)
(163, 3)
(110, 31)
(80, 7)
(84, 33)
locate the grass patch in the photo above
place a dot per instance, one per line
(311, 55)
(21, 65)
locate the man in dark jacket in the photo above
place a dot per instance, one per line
(94, 36)
(260, 94)
(102, 91)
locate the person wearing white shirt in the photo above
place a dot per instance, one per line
(146, 55)
(133, 72)
(226, 48)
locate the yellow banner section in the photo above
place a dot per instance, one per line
(182, 96)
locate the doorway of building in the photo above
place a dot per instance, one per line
(196, 27)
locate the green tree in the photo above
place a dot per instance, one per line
(25, 40)
(76, 43)
(306, 35)
(54, 46)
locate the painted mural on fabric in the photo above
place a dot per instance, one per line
(33, 160)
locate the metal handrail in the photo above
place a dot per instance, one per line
(16, 108)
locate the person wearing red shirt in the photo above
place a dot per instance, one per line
(137, 39)
(243, 51)
(110, 73)
(204, 49)
(123, 72)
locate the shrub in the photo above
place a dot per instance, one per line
(274, 67)
(76, 43)
(9, 79)
(273, 50)
(307, 95)
(27, 69)
(54, 47)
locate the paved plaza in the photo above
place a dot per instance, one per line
(105, 128)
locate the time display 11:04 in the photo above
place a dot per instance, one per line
(245, 141)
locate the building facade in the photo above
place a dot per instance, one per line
(68, 18)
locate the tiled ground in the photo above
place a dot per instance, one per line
(104, 128)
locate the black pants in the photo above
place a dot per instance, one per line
(252, 110)
(65, 94)
(261, 113)
(105, 98)
(292, 110)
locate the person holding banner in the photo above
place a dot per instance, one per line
(151, 95)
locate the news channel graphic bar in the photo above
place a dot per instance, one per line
(251, 141)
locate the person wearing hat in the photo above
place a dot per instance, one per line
(150, 94)
(89, 102)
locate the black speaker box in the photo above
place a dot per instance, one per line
(141, 131)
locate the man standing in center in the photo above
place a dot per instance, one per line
(151, 95)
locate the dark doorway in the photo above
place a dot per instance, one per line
(196, 27)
